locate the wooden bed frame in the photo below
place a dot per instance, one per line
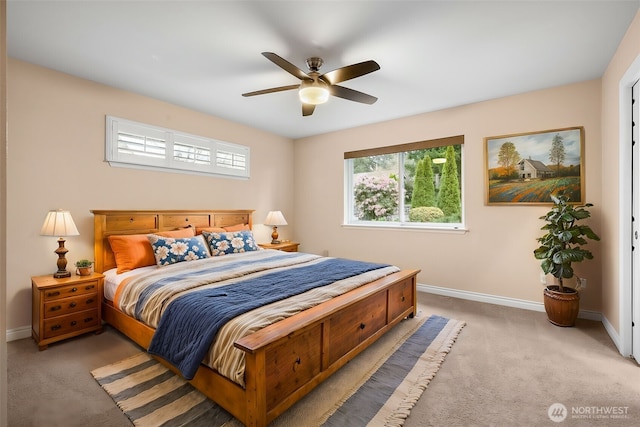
(286, 360)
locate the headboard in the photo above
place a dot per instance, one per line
(118, 222)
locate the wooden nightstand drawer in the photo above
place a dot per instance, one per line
(282, 246)
(70, 323)
(64, 306)
(70, 290)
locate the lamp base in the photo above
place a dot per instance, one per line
(61, 274)
(62, 261)
(274, 236)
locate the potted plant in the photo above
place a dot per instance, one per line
(83, 267)
(560, 247)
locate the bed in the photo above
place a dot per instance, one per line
(285, 360)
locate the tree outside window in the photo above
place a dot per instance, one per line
(420, 186)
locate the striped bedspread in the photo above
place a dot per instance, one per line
(146, 297)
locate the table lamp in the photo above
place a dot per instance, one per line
(275, 218)
(59, 223)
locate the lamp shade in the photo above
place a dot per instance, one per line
(275, 218)
(59, 223)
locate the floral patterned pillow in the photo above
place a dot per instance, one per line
(230, 242)
(168, 250)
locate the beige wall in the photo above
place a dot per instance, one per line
(56, 152)
(495, 256)
(56, 144)
(626, 54)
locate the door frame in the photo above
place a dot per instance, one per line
(625, 267)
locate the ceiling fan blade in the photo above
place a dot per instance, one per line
(351, 95)
(307, 109)
(350, 72)
(286, 65)
(274, 89)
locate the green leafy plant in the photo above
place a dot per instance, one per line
(565, 235)
(425, 214)
(83, 263)
(376, 198)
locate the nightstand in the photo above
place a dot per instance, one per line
(64, 308)
(285, 246)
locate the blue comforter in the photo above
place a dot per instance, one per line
(190, 322)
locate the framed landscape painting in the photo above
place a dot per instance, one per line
(527, 168)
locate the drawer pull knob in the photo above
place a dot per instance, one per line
(362, 326)
(56, 327)
(90, 301)
(130, 219)
(56, 308)
(74, 323)
(53, 294)
(186, 219)
(89, 287)
(402, 298)
(296, 362)
(73, 304)
(88, 319)
(74, 289)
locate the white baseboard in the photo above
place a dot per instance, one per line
(614, 335)
(18, 333)
(494, 299)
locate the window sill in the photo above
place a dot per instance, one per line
(413, 228)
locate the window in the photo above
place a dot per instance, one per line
(138, 145)
(417, 184)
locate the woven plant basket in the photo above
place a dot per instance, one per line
(562, 307)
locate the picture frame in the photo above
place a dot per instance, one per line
(526, 168)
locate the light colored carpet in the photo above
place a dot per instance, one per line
(376, 390)
(507, 368)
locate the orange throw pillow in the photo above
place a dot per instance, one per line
(134, 250)
(237, 227)
(210, 230)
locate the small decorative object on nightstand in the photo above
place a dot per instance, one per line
(84, 267)
(285, 246)
(275, 218)
(64, 308)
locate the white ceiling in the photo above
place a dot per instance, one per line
(433, 54)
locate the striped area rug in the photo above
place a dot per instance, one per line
(151, 395)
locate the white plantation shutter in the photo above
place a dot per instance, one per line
(232, 158)
(192, 153)
(137, 145)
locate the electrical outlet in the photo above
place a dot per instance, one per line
(543, 278)
(583, 283)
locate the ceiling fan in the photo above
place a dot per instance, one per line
(315, 88)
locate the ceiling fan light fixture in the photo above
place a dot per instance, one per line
(313, 93)
(315, 88)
